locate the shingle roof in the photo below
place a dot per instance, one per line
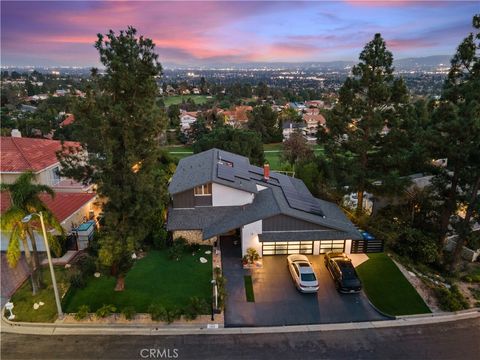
(62, 205)
(202, 168)
(20, 154)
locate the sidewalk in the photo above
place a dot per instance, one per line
(195, 329)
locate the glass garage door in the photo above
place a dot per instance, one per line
(332, 245)
(287, 247)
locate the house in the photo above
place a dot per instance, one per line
(297, 106)
(60, 92)
(28, 108)
(19, 154)
(238, 116)
(312, 123)
(70, 119)
(187, 118)
(290, 127)
(215, 193)
(315, 104)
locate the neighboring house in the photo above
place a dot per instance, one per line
(70, 119)
(313, 122)
(28, 108)
(60, 92)
(238, 116)
(315, 104)
(186, 120)
(290, 127)
(215, 193)
(19, 154)
(297, 106)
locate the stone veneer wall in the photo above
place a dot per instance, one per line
(193, 237)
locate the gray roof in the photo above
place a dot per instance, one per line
(202, 168)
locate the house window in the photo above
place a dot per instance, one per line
(56, 175)
(203, 190)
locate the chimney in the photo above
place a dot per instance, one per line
(266, 172)
(16, 133)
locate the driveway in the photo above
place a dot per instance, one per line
(277, 301)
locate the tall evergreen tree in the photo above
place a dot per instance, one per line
(455, 135)
(264, 120)
(119, 125)
(371, 100)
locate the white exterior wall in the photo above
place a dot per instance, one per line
(348, 246)
(250, 239)
(227, 196)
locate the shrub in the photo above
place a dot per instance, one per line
(157, 312)
(222, 292)
(105, 311)
(87, 265)
(193, 248)
(196, 307)
(129, 312)
(417, 246)
(160, 313)
(77, 280)
(252, 255)
(450, 300)
(82, 312)
(177, 249)
(160, 239)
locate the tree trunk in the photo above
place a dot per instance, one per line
(37, 271)
(28, 258)
(359, 202)
(448, 210)
(120, 286)
(465, 226)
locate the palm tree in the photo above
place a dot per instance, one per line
(25, 200)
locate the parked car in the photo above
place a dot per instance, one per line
(302, 273)
(343, 272)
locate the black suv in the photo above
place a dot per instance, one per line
(343, 272)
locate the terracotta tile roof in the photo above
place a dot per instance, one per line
(21, 154)
(70, 119)
(317, 118)
(62, 205)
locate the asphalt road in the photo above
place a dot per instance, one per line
(448, 340)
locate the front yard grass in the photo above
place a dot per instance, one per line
(154, 279)
(387, 288)
(23, 300)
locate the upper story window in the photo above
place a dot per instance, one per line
(56, 175)
(203, 190)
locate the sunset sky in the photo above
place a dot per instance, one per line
(192, 33)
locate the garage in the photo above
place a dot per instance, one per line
(287, 247)
(302, 247)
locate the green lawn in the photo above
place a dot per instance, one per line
(249, 288)
(23, 300)
(174, 100)
(387, 288)
(153, 279)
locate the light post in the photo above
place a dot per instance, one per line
(215, 295)
(26, 219)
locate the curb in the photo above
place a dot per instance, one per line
(125, 329)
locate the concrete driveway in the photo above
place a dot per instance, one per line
(277, 301)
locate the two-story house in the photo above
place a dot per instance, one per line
(216, 193)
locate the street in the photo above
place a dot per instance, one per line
(447, 340)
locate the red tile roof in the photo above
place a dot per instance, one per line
(62, 205)
(70, 119)
(316, 118)
(20, 154)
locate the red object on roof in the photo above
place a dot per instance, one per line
(20, 154)
(62, 205)
(70, 119)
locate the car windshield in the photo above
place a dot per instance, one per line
(308, 277)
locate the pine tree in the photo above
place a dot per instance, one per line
(119, 125)
(370, 101)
